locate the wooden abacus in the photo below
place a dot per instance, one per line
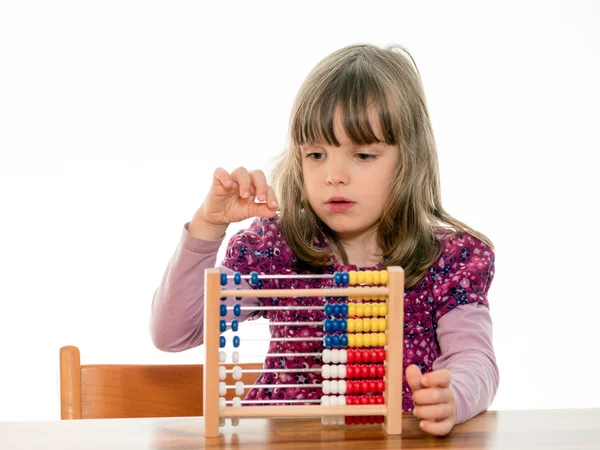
(391, 410)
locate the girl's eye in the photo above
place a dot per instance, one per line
(365, 156)
(315, 155)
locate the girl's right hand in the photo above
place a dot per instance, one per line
(232, 199)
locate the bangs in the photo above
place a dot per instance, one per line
(354, 93)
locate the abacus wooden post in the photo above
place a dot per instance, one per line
(395, 354)
(211, 343)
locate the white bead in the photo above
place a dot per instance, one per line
(333, 401)
(343, 356)
(325, 420)
(236, 357)
(326, 387)
(222, 403)
(222, 372)
(326, 356)
(235, 421)
(335, 356)
(326, 370)
(325, 400)
(222, 357)
(342, 371)
(222, 389)
(341, 400)
(237, 402)
(334, 371)
(239, 388)
(334, 387)
(342, 387)
(221, 421)
(237, 373)
(341, 420)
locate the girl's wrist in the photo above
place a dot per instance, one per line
(201, 229)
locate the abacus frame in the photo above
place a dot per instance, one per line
(391, 409)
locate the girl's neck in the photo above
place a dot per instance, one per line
(361, 250)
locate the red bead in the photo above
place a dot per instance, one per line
(364, 400)
(372, 386)
(365, 355)
(350, 355)
(380, 355)
(348, 420)
(364, 420)
(380, 387)
(372, 399)
(380, 371)
(358, 357)
(350, 388)
(350, 371)
(356, 420)
(371, 419)
(379, 399)
(373, 371)
(364, 372)
(364, 387)
(379, 419)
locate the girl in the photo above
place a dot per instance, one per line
(358, 189)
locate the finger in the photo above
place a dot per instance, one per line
(413, 377)
(259, 181)
(261, 210)
(432, 396)
(221, 176)
(242, 177)
(440, 411)
(441, 428)
(271, 199)
(437, 378)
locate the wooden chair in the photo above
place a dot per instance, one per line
(126, 391)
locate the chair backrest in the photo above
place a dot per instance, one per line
(127, 391)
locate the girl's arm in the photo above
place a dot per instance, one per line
(177, 316)
(465, 338)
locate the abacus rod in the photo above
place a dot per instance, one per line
(277, 371)
(283, 324)
(304, 411)
(338, 292)
(273, 308)
(262, 386)
(284, 277)
(262, 402)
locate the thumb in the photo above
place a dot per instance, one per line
(413, 377)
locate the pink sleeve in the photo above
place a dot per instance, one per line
(177, 315)
(465, 338)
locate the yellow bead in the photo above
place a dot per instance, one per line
(368, 310)
(358, 325)
(382, 338)
(361, 277)
(382, 324)
(367, 340)
(366, 324)
(383, 276)
(359, 340)
(351, 340)
(351, 309)
(376, 277)
(369, 277)
(359, 310)
(375, 324)
(383, 309)
(350, 326)
(382, 297)
(352, 276)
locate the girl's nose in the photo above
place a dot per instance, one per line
(336, 174)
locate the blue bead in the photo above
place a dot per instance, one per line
(328, 309)
(223, 299)
(336, 309)
(337, 278)
(335, 325)
(327, 341)
(335, 340)
(327, 325)
(238, 298)
(237, 278)
(234, 325)
(223, 310)
(236, 341)
(343, 325)
(345, 278)
(344, 310)
(223, 279)
(222, 326)
(222, 342)
(344, 340)
(237, 310)
(253, 278)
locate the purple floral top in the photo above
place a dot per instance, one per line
(461, 275)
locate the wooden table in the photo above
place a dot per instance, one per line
(552, 429)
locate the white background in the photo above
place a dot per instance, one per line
(113, 116)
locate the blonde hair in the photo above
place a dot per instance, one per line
(355, 79)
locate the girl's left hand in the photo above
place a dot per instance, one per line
(434, 400)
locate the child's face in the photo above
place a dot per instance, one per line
(348, 186)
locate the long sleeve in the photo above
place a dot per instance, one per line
(177, 315)
(465, 338)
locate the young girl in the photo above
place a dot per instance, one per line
(357, 189)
